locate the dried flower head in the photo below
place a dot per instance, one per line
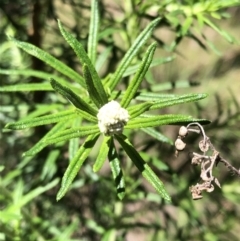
(112, 118)
(183, 131)
(179, 144)
(209, 158)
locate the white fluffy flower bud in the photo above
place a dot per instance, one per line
(112, 118)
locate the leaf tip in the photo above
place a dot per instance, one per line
(121, 195)
(60, 195)
(95, 169)
(168, 200)
(11, 38)
(7, 127)
(203, 95)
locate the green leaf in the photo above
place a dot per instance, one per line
(26, 87)
(34, 193)
(178, 100)
(74, 143)
(156, 162)
(41, 110)
(138, 77)
(213, 47)
(43, 120)
(73, 98)
(186, 25)
(93, 31)
(143, 167)
(138, 109)
(132, 69)
(50, 165)
(150, 78)
(200, 20)
(102, 58)
(157, 135)
(131, 53)
(93, 88)
(150, 96)
(106, 32)
(227, 36)
(84, 59)
(86, 116)
(19, 200)
(34, 73)
(103, 153)
(75, 165)
(49, 59)
(116, 171)
(153, 121)
(71, 133)
(40, 145)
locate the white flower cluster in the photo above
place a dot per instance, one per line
(112, 118)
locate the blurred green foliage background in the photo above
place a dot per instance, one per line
(204, 62)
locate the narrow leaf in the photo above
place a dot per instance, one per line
(186, 25)
(138, 77)
(73, 98)
(138, 109)
(35, 193)
(153, 121)
(50, 165)
(50, 60)
(102, 155)
(150, 96)
(43, 120)
(75, 165)
(71, 133)
(74, 143)
(41, 110)
(116, 171)
(138, 43)
(163, 100)
(132, 69)
(143, 167)
(40, 145)
(223, 33)
(93, 31)
(34, 73)
(102, 58)
(84, 59)
(178, 100)
(157, 135)
(26, 87)
(94, 94)
(86, 116)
